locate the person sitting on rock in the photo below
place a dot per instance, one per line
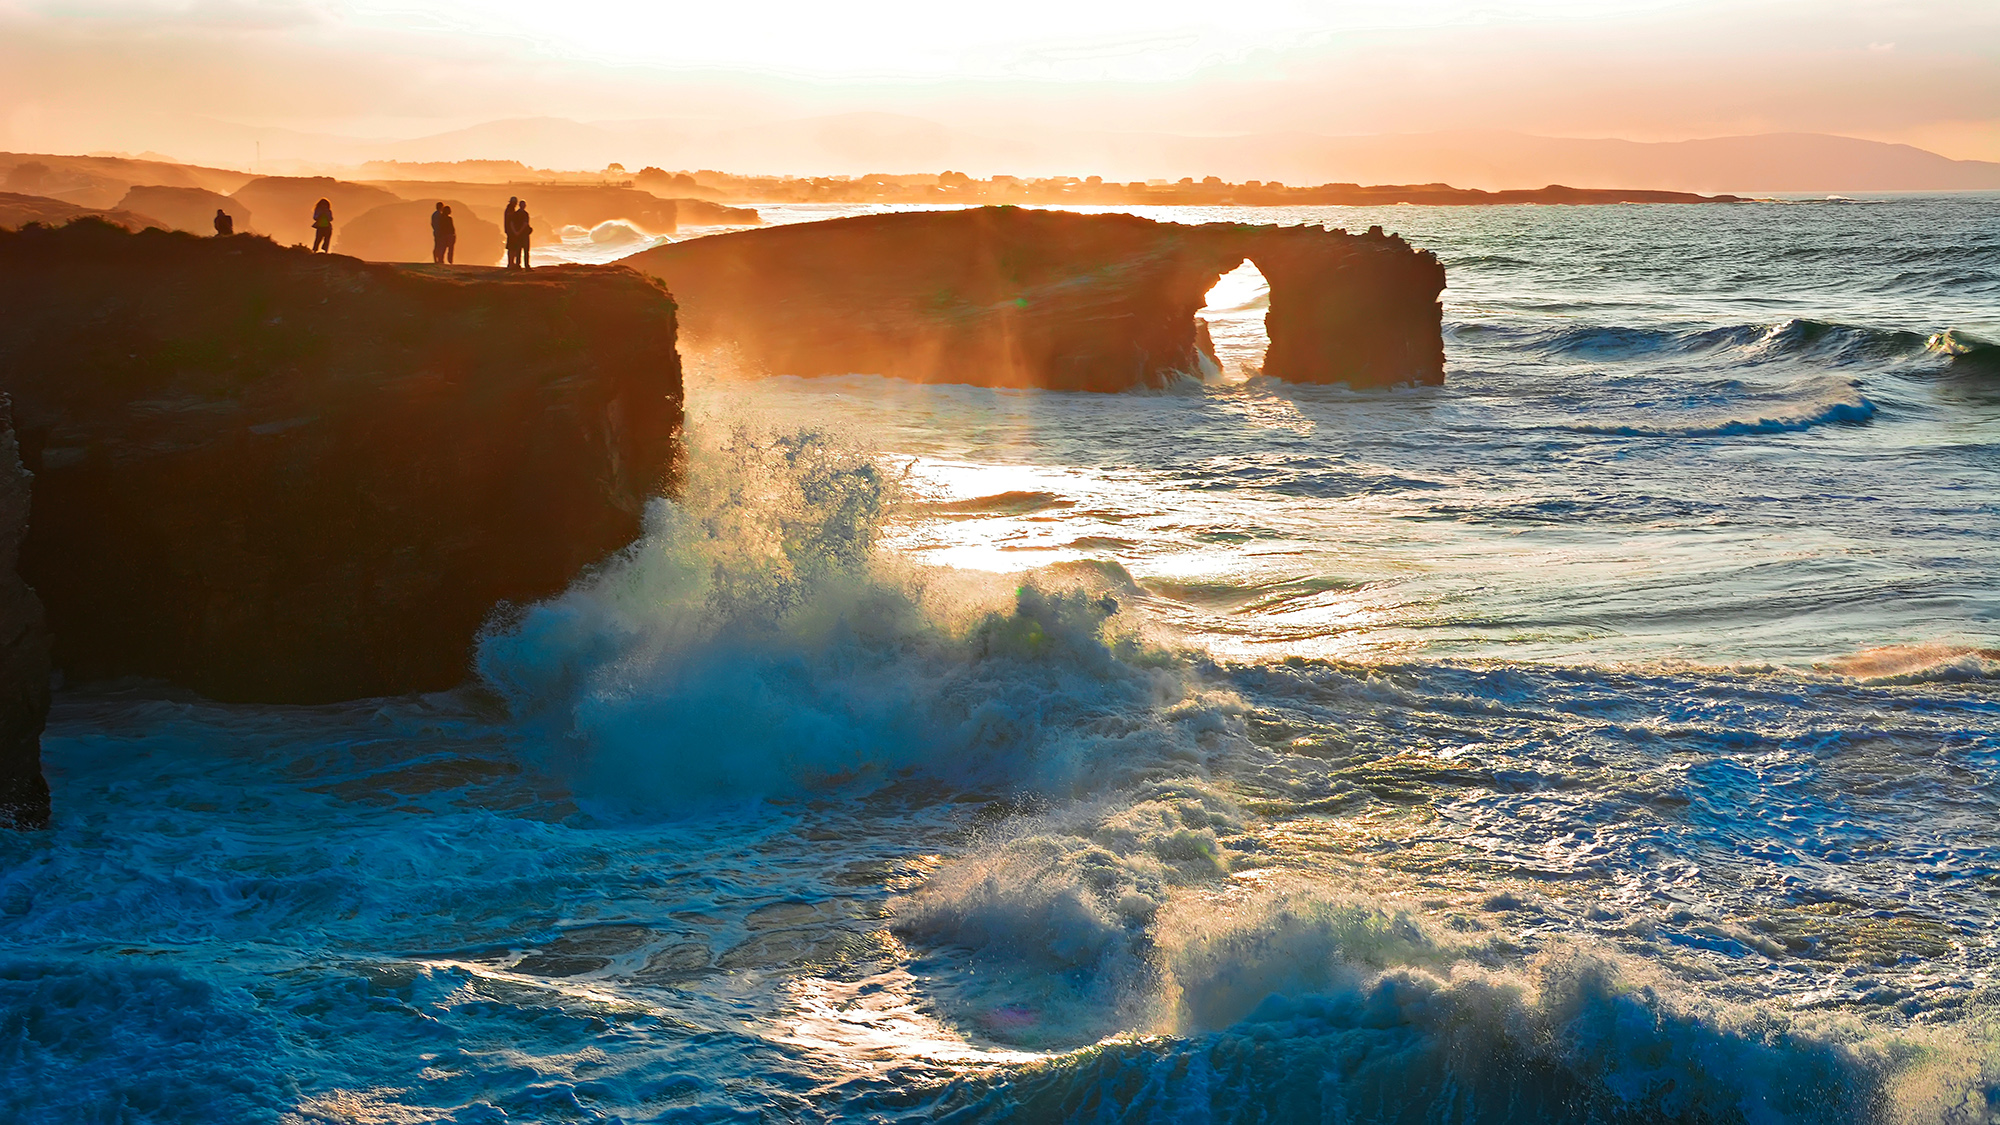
(507, 231)
(225, 223)
(323, 227)
(448, 237)
(437, 234)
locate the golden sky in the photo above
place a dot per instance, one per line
(135, 74)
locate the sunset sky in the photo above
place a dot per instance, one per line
(113, 74)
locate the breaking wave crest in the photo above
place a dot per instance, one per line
(1299, 1008)
(1917, 664)
(1116, 905)
(1290, 1003)
(1799, 338)
(755, 644)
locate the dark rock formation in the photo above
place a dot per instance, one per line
(401, 232)
(274, 476)
(24, 653)
(190, 209)
(1006, 297)
(283, 205)
(17, 211)
(702, 213)
(553, 206)
(1356, 309)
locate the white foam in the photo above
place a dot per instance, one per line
(755, 643)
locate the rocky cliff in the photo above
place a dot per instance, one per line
(1002, 296)
(273, 476)
(1356, 309)
(24, 653)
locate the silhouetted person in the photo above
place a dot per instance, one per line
(323, 227)
(437, 234)
(522, 230)
(225, 223)
(507, 231)
(449, 233)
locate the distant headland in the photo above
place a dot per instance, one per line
(138, 192)
(1211, 191)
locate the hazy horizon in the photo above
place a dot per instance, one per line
(230, 81)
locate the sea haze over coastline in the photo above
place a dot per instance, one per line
(134, 76)
(1607, 735)
(861, 143)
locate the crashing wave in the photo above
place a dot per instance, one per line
(754, 644)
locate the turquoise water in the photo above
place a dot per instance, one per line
(1607, 735)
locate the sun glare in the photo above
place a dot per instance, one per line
(1234, 314)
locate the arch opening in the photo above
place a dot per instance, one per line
(1234, 318)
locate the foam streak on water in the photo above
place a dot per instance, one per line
(1608, 735)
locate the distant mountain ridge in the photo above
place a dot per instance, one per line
(856, 143)
(1774, 162)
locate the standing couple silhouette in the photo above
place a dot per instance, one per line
(444, 236)
(515, 223)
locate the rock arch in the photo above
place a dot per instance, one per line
(1231, 329)
(1003, 296)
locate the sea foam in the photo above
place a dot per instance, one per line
(755, 644)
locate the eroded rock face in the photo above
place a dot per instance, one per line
(270, 476)
(1356, 309)
(24, 653)
(1000, 296)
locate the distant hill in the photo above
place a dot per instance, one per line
(857, 143)
(99, 182)
(17, 211)
(1774, 162)
(1493, 161)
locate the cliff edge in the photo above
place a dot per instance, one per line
(24, 653)
(1001, 296)
(273, 476)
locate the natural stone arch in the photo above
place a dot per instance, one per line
(1004, 296)
(1355, 309)
(1233, 334)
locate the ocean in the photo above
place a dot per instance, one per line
(1608, 735)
